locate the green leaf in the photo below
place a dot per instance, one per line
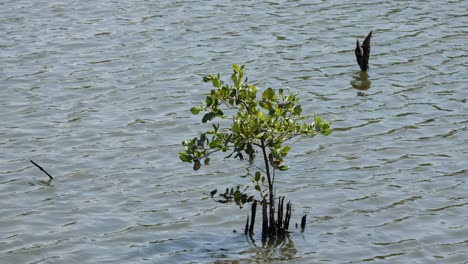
(234, 78)
(219, 113)
(208, 78)
(202, 140)
(272, 111)
(257, 187)
(216, 83)
(257, 176)
(214, 143)
(185, 157)
(265, 105)
(260, 135)
(207, 161)
(209, 101)
(327, 132)
(249, 149)
(268, 94)
(195, 110)
(208, 117)
(233, 93)
(260, 115)
(236, 128)
(237, 196)
(285, 150)
(283, 168)
(297, 110)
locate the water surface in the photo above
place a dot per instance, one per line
(98, 92)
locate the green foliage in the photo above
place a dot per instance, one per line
(233, 194)
(259, 125)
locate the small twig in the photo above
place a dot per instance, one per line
(42, 169)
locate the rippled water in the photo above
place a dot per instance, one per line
(98, 92)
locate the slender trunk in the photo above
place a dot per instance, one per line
(252, 220)
(270, 186)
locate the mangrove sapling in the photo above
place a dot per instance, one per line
(260, 126)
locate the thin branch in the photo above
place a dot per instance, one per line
(267, 167)
(257, 145)
(260, 169)
(274, 173)
(42, 169)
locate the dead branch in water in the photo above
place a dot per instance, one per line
(50, 176)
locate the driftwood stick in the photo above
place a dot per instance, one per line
(42, 169)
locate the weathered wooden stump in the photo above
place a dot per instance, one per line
(363, 52)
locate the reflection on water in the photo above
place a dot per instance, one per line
(279, 247)
(361, 81)
(45, 183)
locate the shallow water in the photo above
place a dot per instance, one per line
(98, 94)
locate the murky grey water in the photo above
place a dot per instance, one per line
(98, 92)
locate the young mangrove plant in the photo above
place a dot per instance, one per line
(259, 129)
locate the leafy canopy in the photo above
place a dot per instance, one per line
(258, 124)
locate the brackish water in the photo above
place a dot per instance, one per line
(98, 92)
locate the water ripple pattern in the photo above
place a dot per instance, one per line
(98, 92)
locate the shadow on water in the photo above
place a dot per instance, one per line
(361, 82)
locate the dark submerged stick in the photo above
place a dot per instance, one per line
(288, 215)
(246, 230)
(363, 52)
(303, 222)
(280, 214)
(252, 220)
(42, 169)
